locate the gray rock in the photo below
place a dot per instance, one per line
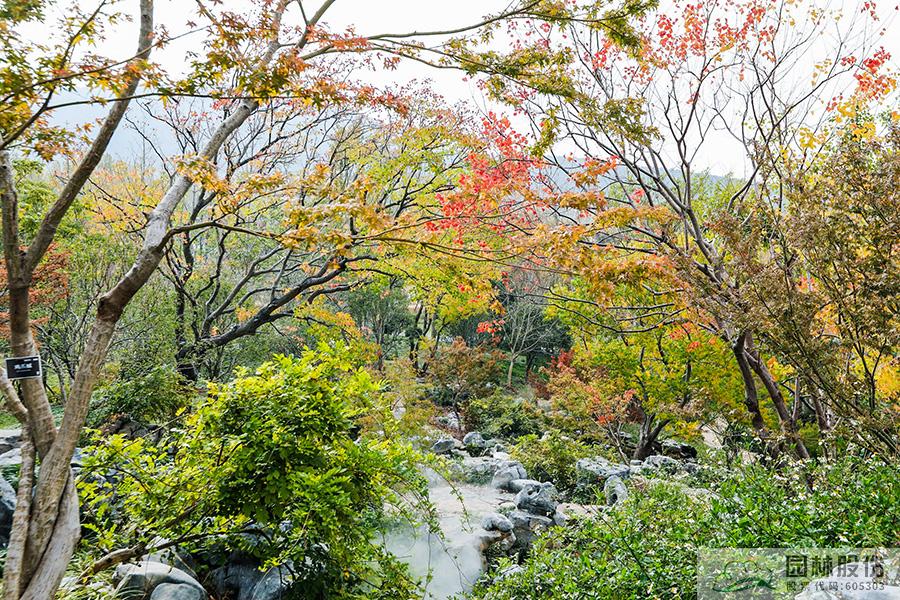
(7, 508)
(11, 458)
(235, 580)
(597, 470)
(615, 491)
(176, 591)
(475, 443)
(517, 485)
(274, 585)
(678, 449)
(9, 439)
(138, 580)
(537, 499)
(527, 526)
(507, 472)
(496, 522)
(168, 556)
(443, 446)
(665, 464)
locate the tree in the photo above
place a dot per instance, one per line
(247, 62)
(628, 200)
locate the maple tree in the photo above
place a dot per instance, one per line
(246, 63)
(626, 199)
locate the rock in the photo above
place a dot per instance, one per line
(537, 499)
(508, 472)
(175, 591)
(476, 469)
(475, 443)
(274, 585)
(517, 485)
(559, 517)
(635, 463)
(597, 470)
(234, 580)
(615, 491)
(449, 421)
(526, 526)
(663, 463)
(678, 449)
(9, 439)
(7, 508)
(500, 454)
(168, 556)
(506, 507)
(138, 580)
(11, 458)
(691, 468)
(443, 446)
(496, 522)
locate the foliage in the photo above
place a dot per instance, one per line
(462, 373)
(647, 546)
(551, 457)
(154, 397)
(275, 450)
(502, 415)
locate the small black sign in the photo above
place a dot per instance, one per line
(23, 367)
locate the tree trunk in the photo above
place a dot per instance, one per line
(509, 372)
(751, 395)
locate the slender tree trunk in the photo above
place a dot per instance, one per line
(751, 395)
(509, 371)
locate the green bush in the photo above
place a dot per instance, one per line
(501, 415)
(155, 397)
(647, 546)
(276, 450)
(551, 458)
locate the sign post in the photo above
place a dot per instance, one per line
(23, 367)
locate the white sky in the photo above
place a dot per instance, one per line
(380, 16)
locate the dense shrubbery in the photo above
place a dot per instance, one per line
(275, 450)
(646, 547)
(551, 457)
(502, 415)
(154, 397)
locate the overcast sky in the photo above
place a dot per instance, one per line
(380, 16)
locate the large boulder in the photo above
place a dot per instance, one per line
(537, 499)
(507, 473)
(176, 591)
(137, 581)
(596, 470)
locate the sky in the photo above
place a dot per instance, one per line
(380, 16)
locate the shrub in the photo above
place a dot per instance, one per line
(154, 397)
(276, 450)
(501, 415)
(551, 458)
(647, 546)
